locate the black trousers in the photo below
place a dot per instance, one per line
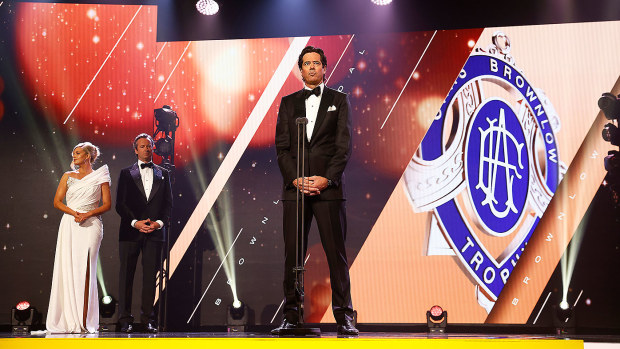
(151, 260)
(331, 221)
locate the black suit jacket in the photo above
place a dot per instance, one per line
(329, 149)
(132, 203)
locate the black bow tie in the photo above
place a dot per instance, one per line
(316, 91)
(146, 164)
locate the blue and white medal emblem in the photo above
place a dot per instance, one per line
(487, 168)
(496, 167)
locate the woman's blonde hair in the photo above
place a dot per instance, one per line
(91, 149)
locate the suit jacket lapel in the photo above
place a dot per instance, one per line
(135, 174)
(156, 181)
(326, 101)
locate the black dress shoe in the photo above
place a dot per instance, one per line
(151, 328)
(285, 325)
(127, 328)
(346, 328)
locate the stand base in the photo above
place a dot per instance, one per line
(300, 332)
(20, 330)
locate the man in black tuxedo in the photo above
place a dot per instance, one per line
(328, 148)
(144, 202)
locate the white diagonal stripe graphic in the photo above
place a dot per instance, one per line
(541, 308)
(172, 72)
(577, 300)
(102, 64)
(161, 50)
(342, 55)
(236, 151)
(410, 76)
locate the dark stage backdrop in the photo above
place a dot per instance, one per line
(471, 184)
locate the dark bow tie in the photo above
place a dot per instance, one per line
(147, 164)
(316, 91)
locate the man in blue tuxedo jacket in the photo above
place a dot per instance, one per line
(144, 202)
(327, 145)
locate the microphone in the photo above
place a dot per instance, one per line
(301, 121)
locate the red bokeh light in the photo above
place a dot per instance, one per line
(436, 311)
(23, 305)
(212, 85)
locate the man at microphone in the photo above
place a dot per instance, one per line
(327, 145)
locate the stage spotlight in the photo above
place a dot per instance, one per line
(564, 320)
(22, 311)
(107, 306)
(381, 2)
(166, 119)
(436, 319)
(237, 317)
(166, 124)
(22, 317)
(610, 105)
(611, 134)
(207, 7)
(164, 146)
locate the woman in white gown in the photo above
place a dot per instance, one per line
(74, 301)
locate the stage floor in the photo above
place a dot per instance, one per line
(395, 340)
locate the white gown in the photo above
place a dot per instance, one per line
(77, 246)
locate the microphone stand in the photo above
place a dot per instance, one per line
(164, 277)
(299, 269)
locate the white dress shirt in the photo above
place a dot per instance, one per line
(146, 175)
(312, 110)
